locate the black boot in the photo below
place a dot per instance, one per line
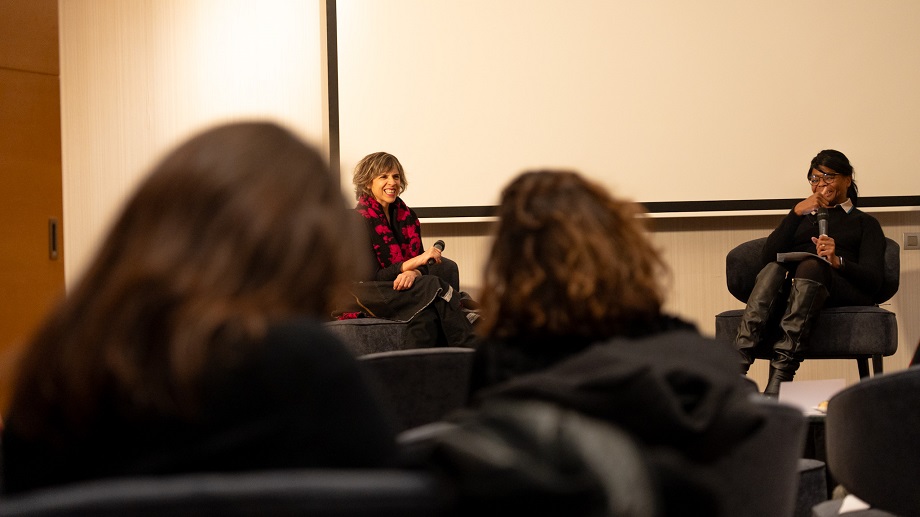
(768, 292)
(806, 298)
(777, 377)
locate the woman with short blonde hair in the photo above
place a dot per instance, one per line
(426, 286)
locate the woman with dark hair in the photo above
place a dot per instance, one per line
(193, 342)
(847, 269)
(409, 283)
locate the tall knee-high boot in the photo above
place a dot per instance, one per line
(768, 292)
(806, 298)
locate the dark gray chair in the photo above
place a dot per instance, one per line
(812, 486)
(420, 385)
(369, 335)
(762, 476)
(872, 445)
(323, 493)
(859, 333)
(832, 509)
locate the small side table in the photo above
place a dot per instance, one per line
(816, 447)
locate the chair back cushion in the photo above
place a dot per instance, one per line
(762, 475)
(420, 385)
(741, 267)
(328, 493)
(743, 263)
(872, 445)
(892, 280)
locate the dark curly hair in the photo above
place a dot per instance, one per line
(568, 260)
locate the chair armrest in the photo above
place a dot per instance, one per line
(742, 264)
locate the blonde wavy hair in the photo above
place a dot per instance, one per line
(374, 165)
(568, 260)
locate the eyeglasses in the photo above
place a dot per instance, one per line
(828, 178)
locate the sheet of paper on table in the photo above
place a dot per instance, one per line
(808, 395)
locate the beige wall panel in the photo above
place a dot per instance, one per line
(137, 77)
(468, 244)
(29, 35)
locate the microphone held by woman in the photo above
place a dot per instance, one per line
(440, 245)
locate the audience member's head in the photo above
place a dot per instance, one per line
(568, 260)
(372, 166)
(238, 228)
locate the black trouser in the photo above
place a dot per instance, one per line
(441, 323)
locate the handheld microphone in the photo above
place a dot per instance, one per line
(440, 245)
(822, 220)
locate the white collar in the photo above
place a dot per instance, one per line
(847, 206)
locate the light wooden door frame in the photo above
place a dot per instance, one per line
(31, 276)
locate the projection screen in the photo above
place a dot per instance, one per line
(684, 106)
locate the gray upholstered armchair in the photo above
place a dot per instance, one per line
(288, 493)
(858, 333)
(422, 385)
(872, 445)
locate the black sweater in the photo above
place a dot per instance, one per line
(297, 401)
(858, 238)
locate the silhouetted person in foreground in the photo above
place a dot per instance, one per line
(193, 343)
(588, 399)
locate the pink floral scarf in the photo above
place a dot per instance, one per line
(387, 248)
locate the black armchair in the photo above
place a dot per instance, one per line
(872, 446)
(323, 493)
(421, 385)
(762, 476)
(858, 333)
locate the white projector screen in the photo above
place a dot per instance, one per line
(684, 106)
